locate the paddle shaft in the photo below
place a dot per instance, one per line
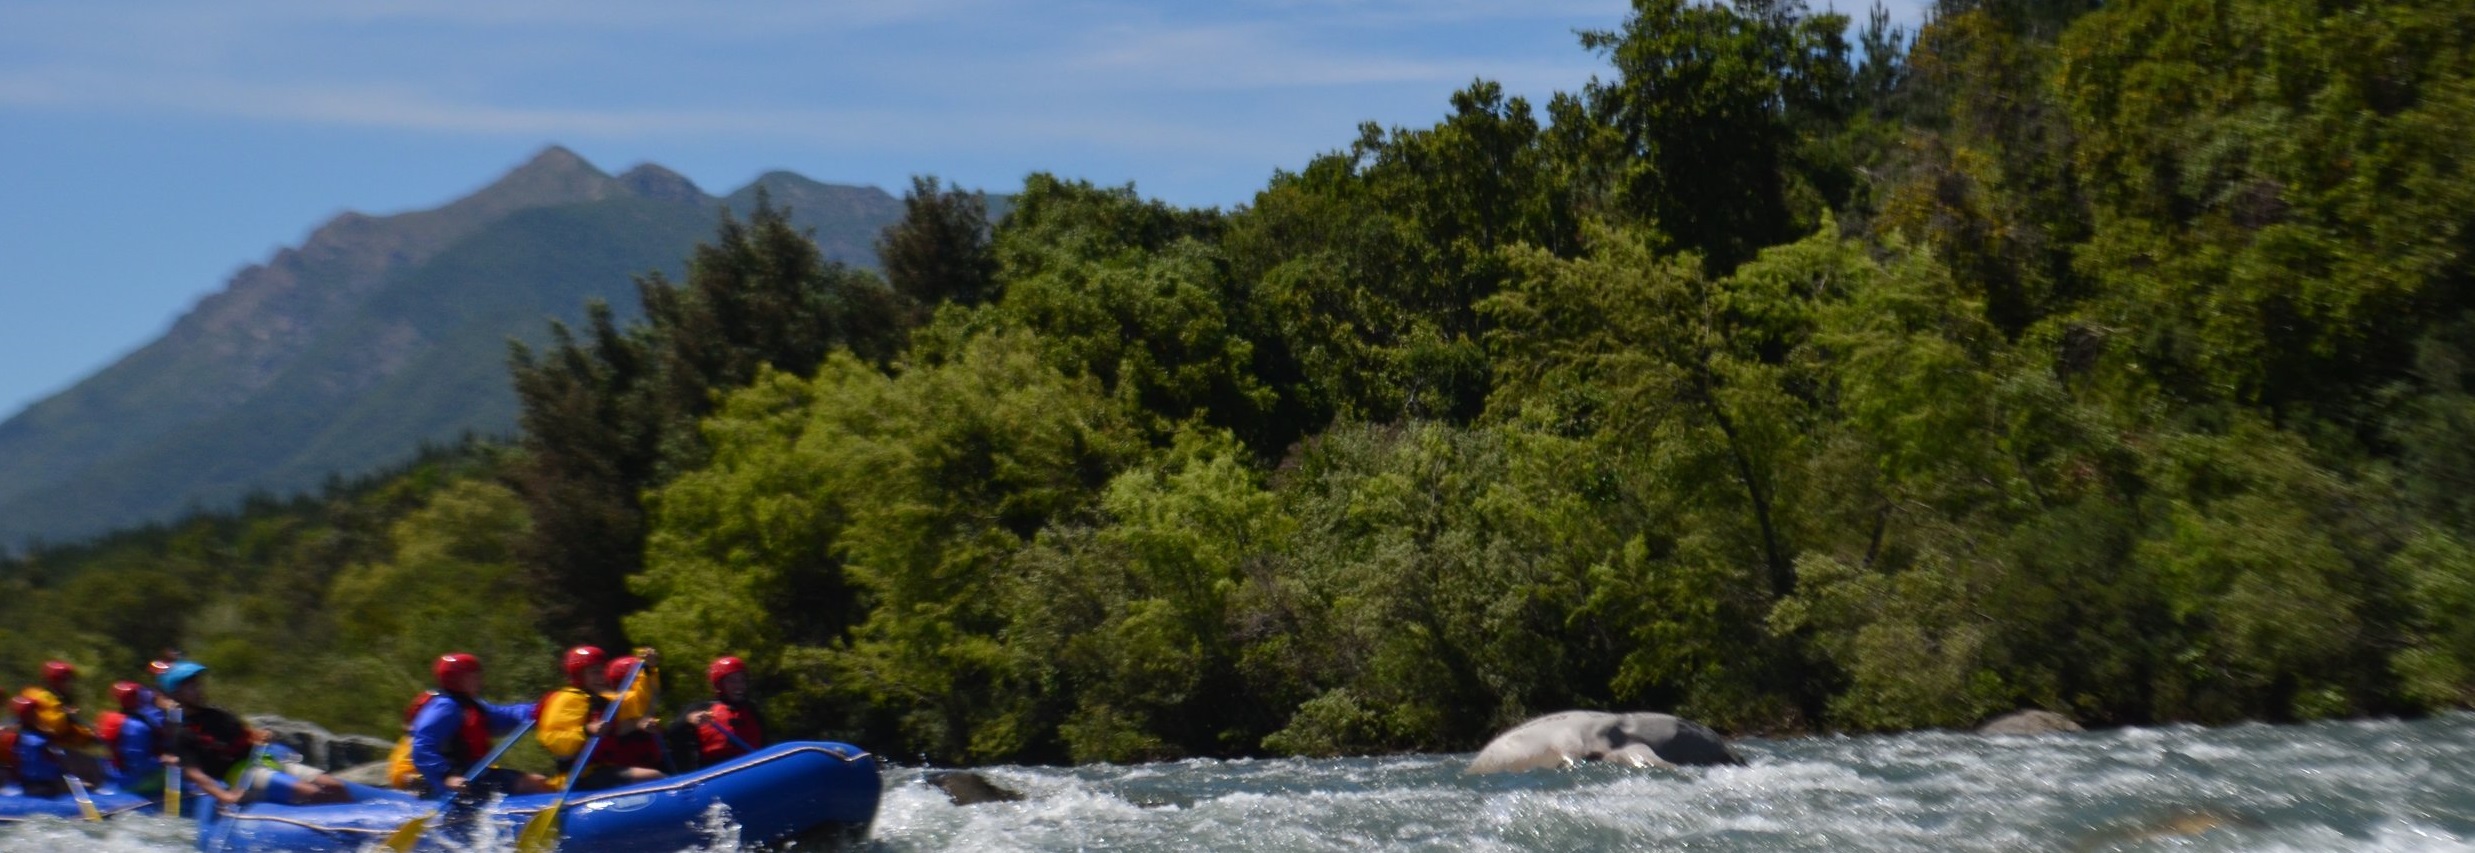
(223, 830)
(492, 758)
(171, 769)
(726, 732)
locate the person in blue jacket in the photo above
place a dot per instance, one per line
(137, 739)
(454, 728)
(39, 772)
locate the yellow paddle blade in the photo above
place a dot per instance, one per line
(85, 804)
(409, 834)
(171, 795)
(541, 833)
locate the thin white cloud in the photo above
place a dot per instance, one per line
(735, 16)
(399, 108)
(522, 68)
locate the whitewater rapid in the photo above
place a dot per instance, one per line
(2386, 785)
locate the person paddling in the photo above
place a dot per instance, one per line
(218, 753)
(572, 714)
(452, 727)
(39, 772)
(56, 718)
(728, 725)
(134, 739)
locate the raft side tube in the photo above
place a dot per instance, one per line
(807, 792)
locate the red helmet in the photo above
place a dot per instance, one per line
(454, 663)
(724, 667)
(619, 669)
(57, 673)
(24, 710)
(129, 694)
(583, 659)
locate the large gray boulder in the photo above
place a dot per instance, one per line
(321, 748)
(1639, 739)
(373, 774)
(2029, 722)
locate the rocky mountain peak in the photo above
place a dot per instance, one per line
(660, 184)
(554, 176)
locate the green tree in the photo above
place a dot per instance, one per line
(921, 487)
(606, 419)
(1704, 115)
(939, 252)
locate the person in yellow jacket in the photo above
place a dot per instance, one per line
(54, 715)
(572, 714)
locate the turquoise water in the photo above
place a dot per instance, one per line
(2331, 786)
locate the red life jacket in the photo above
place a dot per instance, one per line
(8, 747)
(472, 739)
(107, 730)
(740, 719)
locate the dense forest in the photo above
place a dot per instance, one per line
(1795, 374)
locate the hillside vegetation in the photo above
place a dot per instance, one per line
(1789, 376)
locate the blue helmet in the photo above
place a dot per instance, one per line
(179, 673)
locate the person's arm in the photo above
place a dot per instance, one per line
(212, 786)
(501, 718)
(636, 708)
(185, 752)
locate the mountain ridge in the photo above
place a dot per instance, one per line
(376, 333)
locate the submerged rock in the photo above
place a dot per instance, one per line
(2175, 824)
(967, 788)
(2029, 722)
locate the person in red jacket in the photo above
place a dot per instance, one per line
(728, 725)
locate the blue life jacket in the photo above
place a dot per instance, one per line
(35, 763)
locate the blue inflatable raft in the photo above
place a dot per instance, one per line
(819, 795)
(16, 806)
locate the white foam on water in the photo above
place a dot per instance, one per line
(2386, 784)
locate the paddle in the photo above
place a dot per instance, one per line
(409, 834)
(171, 771)
(726, 732)
(541, 833)
(77, 786)
(223, 830)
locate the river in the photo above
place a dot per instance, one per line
(2386, 785)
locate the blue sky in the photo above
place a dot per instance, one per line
(149, 148)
